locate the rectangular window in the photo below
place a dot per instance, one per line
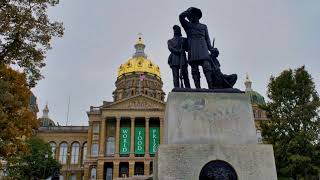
(95, 128)
(94, 151)
(110, 146)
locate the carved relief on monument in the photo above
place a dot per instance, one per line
(210, 116)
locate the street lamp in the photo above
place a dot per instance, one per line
(46, 162)
(68, 165)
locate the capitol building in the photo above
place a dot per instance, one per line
(122, 137)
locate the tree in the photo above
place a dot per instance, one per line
(25, 34)
(16, 120)
(294, 125)
(37, 164)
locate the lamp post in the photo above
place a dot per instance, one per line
(68, 165)
(45, 164)
(81, 167)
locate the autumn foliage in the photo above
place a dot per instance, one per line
(16, 120)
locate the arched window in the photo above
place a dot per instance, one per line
(84, 152)
(111, 145)
(94, 150)
(75, 153)
(63, 153)
(93, 175)
(53, 149)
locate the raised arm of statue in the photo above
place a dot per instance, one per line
(182, 19)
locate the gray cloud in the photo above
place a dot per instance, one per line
(258, 37)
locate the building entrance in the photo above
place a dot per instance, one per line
(108, 171)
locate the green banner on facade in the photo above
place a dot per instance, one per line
(124, 140)
(154, 139)
(139, 140)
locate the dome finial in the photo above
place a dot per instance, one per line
(248, 83)
(45, 111)
(139, 46)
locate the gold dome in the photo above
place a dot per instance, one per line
(139, 62)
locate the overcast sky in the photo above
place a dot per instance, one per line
(261, 38)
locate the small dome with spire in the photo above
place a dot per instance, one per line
(45, 121)
(255, 97)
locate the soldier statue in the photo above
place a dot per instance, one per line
(177, 59)
(198, 45)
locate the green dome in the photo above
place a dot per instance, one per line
(45, 121)
(255, 97)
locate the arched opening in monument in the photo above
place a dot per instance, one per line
(218, 170)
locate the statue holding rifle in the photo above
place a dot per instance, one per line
(200, 53)
(177, 59)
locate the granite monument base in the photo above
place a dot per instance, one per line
(212, 136)
(185, 161)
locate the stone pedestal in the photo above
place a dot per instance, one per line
(203, 127)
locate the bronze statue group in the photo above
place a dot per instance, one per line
(200, 53)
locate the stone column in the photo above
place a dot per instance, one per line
(100, 169)
(117, 136)
(102, 138)
(116, 169)
(86, 172)
(131, 168)
(58, 153)
(132, 137)
(147, 131)
(147, 168)
(161, 129)
(80, 158)
(89, 140)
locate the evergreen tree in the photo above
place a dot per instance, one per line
(294, 124)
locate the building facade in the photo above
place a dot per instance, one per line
(123, 135)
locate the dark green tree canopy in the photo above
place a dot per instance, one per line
(25, 34)
(37, 164)
(294, 125)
